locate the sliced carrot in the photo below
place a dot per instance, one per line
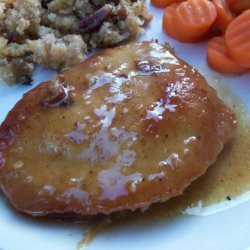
(194, 17)
(238, 39)
(164, 3)
(219, 59)
(167, 25)
(224, 15)
(238, 6)
(170, 29)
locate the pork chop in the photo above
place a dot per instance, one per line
(126, 128)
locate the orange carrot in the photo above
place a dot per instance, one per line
(194, 17)
(238, 39)
(167, 25)
(238, 6)
(219, 59)
(170, 29)
(224, 15)
(164, 3)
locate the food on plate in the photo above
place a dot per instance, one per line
(169, 26)
(57, 33)
(219, 59)
(194, 17)
(238, 39)
(164, 3)
(224, 15)
(191, 21)
(238, 6)
(126, 128)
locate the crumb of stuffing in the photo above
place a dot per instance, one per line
(18, 70)
(58, 53)
(58, 33)
(24, 18)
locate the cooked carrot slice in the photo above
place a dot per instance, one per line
(224, 15)
(167, 25)
(170, 29)
(238, 39)
(164, 3)
(238, 6)
(219, 59)
(194, 17)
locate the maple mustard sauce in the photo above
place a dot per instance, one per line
(93, 157)
(112, 135)
(225, 180)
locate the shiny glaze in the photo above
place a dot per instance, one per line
(140, 126)
(225, 180)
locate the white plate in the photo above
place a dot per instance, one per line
(229, 229)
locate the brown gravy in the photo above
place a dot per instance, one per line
(228, 178)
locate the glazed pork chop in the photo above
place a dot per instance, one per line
(126, 128)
